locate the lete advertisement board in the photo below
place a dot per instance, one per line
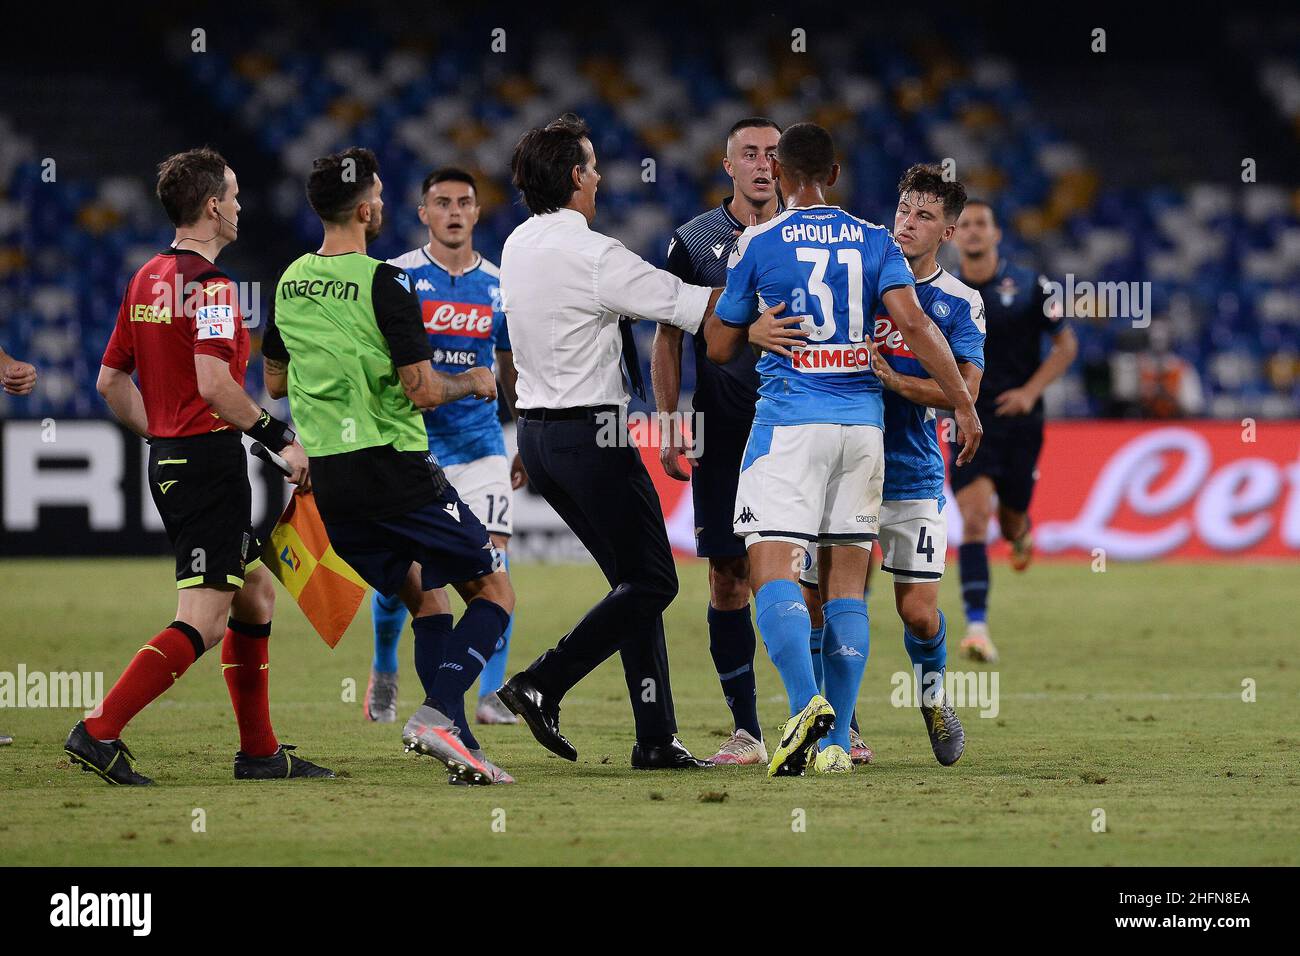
(1137, 490)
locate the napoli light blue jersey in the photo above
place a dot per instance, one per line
(913, 462)
(466, 327)
(832, 269)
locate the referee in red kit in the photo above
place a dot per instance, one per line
(181, 331)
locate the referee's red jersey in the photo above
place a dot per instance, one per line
(177, 306)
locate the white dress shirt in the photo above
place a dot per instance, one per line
(563, 288)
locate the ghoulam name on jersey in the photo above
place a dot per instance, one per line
(832, 269)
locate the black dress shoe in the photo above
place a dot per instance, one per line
(669, 756)
(522, 695)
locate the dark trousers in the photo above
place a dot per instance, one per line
(607, 499)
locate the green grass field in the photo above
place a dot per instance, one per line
(1119, 691)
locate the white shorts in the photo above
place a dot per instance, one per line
(811, 483)
(484, 485)
(913, 540)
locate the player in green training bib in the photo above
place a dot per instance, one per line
(346, 343)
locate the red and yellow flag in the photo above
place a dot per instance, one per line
(299, 553)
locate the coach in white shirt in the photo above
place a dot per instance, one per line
(567, 292)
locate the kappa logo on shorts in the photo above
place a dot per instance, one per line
(866, 519)
(745, 516)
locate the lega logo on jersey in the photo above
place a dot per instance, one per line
(472, 319)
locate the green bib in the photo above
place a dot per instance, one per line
(343, 388)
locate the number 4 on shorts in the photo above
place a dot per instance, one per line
(925, 546)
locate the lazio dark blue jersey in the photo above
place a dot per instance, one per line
(466, 327)
(913, 462)
(1019, 315)
(698, 253)
(832, 269)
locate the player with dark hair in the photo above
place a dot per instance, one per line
(460, 299)
(181, 331)
(724, 399)
(347, 345)
(1019, 314)
(541, 159)
(571, 294)
(913, 534)
(813, 468)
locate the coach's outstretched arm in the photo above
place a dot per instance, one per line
(931, 350)
(770, 332)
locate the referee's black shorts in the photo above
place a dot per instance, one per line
(1008, 456)
(200, 486)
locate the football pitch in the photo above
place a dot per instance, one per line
(1120, 703)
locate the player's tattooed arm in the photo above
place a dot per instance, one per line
(428, 388)
(276, 376)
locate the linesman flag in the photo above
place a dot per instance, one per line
(299, 553)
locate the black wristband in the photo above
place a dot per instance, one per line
(271, 432)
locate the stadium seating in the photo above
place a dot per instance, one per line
(1223, 264)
